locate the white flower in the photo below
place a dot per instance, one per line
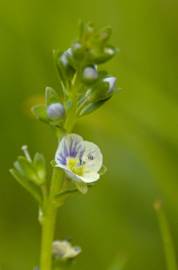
(64, 250)
(80, 159)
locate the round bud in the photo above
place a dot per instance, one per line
(111, 82)
(90, 74)
(55, 111)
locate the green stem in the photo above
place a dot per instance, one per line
(49, 220)
(71, 116)
(166, 237)
(50, 208)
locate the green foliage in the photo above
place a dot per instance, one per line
(140, 124)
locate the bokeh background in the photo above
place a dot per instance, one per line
(137, 131)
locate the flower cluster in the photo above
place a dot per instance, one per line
(85, 86)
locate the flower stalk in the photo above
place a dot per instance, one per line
(49, 220)
(78, 163)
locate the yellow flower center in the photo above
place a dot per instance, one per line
(73, 165)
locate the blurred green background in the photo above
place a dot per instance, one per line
(137, 130)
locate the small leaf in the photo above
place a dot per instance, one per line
(40, 166)
(27, 170)
(40, 112)
(51, 96)
(29, 186)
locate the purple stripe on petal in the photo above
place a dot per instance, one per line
(61, 160)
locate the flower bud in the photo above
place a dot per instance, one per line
(111, 82)
(55, 111)
(64, 65)
(78, 50)
(64, 250)
(90, 74)
(64, 58)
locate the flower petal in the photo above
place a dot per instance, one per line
(92, 157)
(69, 146)
(90, 177)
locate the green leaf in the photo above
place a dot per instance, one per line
(51, 96)
(29, 186)
(27, 170)
(40, 166)
(64, 63)
(40, 112)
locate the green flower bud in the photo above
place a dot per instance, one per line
(78, 50)
(55, 111)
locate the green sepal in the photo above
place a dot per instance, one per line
(105, 34)
(103, 170)
(66, 70)
(51, 96)
(53, 163)
(40, 166)
(26, 184)
(81, 186)
(62, 196)
(104, 55)
(89, 108)
(40, 113)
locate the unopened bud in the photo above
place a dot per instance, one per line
(65, 57)
(112, 82)
(55, 111)
(90, 74)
